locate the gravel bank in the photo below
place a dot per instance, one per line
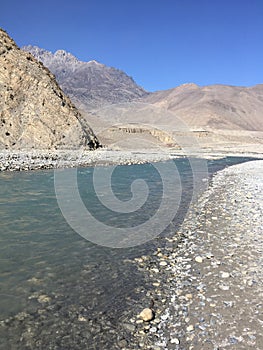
(35, 160)
(207, 280)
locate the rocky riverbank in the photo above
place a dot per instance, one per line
(207, 281)
(37, 159)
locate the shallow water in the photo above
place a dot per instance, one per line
(45, 265)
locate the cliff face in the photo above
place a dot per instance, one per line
(88, 84)
(34, 111)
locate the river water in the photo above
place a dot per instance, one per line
(52, 280)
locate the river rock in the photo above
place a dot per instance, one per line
(147, 314)
(199, 259)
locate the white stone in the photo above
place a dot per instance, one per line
(199, 259)
(175, 341)
(146, 315)
(223, 287)
(190, 328)
(225, 275)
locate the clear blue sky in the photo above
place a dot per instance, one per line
(160, 43)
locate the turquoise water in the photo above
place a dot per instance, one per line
(45, 265)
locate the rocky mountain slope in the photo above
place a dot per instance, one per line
(88, 84)
(34, 112)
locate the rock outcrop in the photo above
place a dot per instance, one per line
(34, 111)
(164, 137)
(88, 84)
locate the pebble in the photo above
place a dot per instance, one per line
(190, 328)
(129, 327)
(164, 317)
(147, 314)
(189, 296)
(224, 287)
(82, 318)
(153, 329)
(225, 275)
(156, 284)
(139, 321)
(199, 259)
(44, 299)
(155, 270)
(122, 343)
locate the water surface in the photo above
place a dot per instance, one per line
(45, 265)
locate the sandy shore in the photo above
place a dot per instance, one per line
(207, 280)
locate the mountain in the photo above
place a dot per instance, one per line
(216, 117)
(214, 107)
(123, 115)
(89, 84)
(92, 85)
(34, 111)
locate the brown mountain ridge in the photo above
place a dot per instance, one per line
(214, 106)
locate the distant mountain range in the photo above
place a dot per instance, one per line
(215, 114)
(92, 85)
(88, 84)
